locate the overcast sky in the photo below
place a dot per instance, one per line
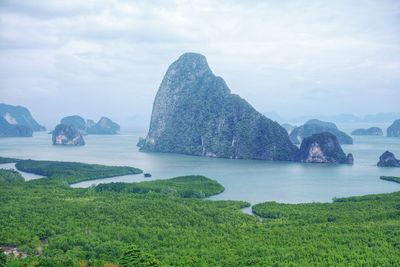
(108, 58)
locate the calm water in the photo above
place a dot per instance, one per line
(253, 181)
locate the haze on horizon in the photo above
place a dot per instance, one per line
(96, 58)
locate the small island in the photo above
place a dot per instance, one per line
(67, 135)
(388, 159)
(373, 131)
(104, 126)
(323, 148)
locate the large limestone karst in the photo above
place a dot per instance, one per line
(195, 113)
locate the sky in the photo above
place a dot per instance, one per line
(107, 58)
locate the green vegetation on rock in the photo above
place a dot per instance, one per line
(184, 186)
(195, 113)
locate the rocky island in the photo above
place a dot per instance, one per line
(388, 159)
(394, 129)
(103, 126)
(17, 121)
(76, 121)
(373, 131)
(195, 113)
(317, 126)
(323, 148)
(67, 135)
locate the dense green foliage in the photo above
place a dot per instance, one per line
(10, 176)
(134, 257)
(391, 178)
(8, 160)
(62, 226)
(96, 227)
(73, 172)
(185, 186)
(3, 259)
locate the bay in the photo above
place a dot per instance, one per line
(250, 180)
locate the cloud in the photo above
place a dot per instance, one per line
(284, 56)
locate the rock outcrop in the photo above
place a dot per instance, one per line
(67, 135)
(195, 113)
(323, 148)
(76, 121)
(104, 126)
(11, 130)
(316, 126)
(373, 131)
(17, 115)
(394, 129)
(387, 159)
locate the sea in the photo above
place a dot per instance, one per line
(254, 181)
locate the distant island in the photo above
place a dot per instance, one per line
(373, 131)
(103, 126)
(388, 159)
(317, 126)
(195, 113)
(17, 121)
(71, 130)
(394, 129)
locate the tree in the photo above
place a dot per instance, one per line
(3, 259)
(134, 257)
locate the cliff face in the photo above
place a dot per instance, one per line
(67, 135)
(11, 130)
(195, 113)
(316, 126)
(373, 131)
(323, 148)
(394, 129)
(17, 115)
